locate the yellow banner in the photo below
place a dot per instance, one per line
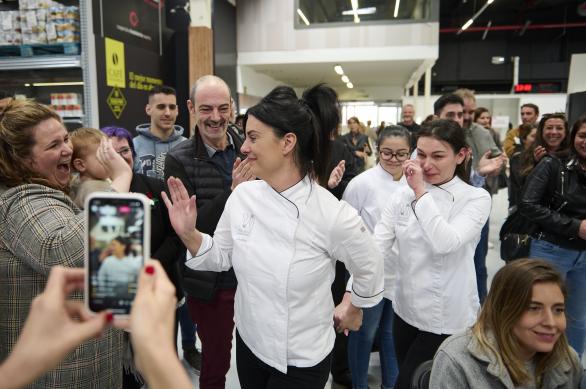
(115, 67)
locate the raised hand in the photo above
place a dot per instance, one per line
(539, 153)
(337, 174)
(182, 208)
(241, 172)
(491, 166)
(414, 175)
(116, 167)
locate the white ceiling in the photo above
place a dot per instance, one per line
(364, 75)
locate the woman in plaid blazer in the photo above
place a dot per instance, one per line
(42, 227)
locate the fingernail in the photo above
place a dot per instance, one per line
(109, 317)
(149, 269)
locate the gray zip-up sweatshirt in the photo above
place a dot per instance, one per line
(151, 150)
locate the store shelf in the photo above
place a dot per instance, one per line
(41, 62)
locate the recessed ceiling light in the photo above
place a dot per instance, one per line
(345, 79)
(360, 11)
(350, 85)
(338, 69)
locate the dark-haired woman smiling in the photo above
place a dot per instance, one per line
(282, 234)
(435, 223)
(554, 198)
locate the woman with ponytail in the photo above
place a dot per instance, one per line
(282, 234)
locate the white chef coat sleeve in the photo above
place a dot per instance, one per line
(353, 195)
(352, 243)
(214, 254)
(384, 231)
(446, 236)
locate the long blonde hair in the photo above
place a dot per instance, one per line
(509, 297)
(17, 123)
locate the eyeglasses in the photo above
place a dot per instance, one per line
(387, 155)
(172, 107)
(124, 151)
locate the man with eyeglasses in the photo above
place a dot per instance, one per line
(155, 139)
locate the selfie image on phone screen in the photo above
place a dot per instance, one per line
(116, 252)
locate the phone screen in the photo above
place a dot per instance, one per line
(116, 252)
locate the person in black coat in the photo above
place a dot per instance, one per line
(166, 247)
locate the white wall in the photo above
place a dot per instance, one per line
(577, 79)
(502, 105)
(266, 34)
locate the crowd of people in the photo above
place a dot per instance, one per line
(310, 246)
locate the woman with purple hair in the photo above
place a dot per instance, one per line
(166, 247)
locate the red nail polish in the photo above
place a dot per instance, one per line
(109, 317)
(149, 269)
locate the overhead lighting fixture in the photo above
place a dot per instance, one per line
(55, 83)
(360, 11)
(476, 15)
(349, 85)
(397, 2)
(487, 28)
(302, 16)
(498, 60)
(338, 69)
(356, 18)
(467, 24)
(345, 79)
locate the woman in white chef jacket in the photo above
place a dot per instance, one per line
(369, 193)
(435, 223)
(282, 234)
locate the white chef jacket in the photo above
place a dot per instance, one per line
(435, 289)
(370, 193)
(283, 248)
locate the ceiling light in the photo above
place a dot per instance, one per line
(354, 4)
(397, 2)
(349, 85)
(356, 18)
(489, 1)
(302, 16)
(498, 60)
(360, 11)
(56, 83)
(338, 69)
(345, 79)
(467, 24)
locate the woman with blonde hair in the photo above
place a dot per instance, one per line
(518, 339)
(42, 228)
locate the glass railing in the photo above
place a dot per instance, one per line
(326, 13)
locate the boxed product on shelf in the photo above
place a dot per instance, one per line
(69, 111)
(65, 99)
(46, 21)
(10, 30)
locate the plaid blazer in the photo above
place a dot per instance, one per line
(42, 227)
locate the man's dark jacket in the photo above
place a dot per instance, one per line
(189, 161)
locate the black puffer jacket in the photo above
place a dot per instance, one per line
(554, 198)
(189, 161)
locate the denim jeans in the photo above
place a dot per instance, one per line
(187, 327)
(480, 263)
(360, 345)
(572, 265)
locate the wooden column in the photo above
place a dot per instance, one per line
(201, 56)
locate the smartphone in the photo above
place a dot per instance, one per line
(117, 243)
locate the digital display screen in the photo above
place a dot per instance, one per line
(116, 252)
